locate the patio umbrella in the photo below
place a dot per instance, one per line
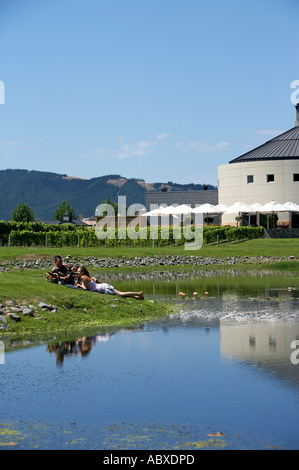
(273, 206)
(170, 209)
(182, 209)
(220, 208)
(256, 207)
(237, 208)
(291, 206)
(204, 209)
(157, 211)
(161, 211)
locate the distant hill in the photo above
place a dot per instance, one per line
(44, 191)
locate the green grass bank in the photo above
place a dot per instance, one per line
(77, 312)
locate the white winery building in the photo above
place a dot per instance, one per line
(266, 173)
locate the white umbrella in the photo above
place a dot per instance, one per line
(204, 209)
(220, 208)
(170, 210)
(256, 207)
(158, 211)
(290, 206)
(161, 211)
(182, 209)
(273, 206)
(237, 207)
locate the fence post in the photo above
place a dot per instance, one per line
(46, 240)
(9, 240)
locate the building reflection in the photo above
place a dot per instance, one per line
(263, 344)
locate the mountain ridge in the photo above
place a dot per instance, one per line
(44, 191)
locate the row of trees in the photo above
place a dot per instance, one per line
(24, 213)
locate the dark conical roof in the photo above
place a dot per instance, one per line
(283, 147)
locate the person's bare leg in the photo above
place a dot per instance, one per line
(135, 295)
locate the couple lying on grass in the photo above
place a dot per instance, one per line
(80, 278)
(90, 283)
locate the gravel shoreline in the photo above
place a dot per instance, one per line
(142, 262)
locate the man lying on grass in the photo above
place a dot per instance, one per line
(89, 283)
(65, 274)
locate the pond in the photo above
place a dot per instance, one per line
(219, 374)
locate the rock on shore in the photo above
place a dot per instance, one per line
(16, 311)
(143, 261)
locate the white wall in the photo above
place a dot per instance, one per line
(233, 186)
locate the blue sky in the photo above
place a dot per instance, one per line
(164, 90)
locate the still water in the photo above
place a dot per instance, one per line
(218, 374)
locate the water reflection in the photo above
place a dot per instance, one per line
(246, 306)
(80, 346)
(266, 345)
(221, 364)
(218, 283)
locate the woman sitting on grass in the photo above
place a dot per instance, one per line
(90, 283)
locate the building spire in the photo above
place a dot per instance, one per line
(297, 115)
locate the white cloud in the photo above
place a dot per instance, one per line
(136, 149)
(96, 154)
(160, 137)
(128, 150)
(9, 144)
(261, 135)
(125, 150)
(269, 132)
(203, 146)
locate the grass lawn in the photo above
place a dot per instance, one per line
(258, 247)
